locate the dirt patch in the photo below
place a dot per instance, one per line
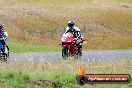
(43, 84)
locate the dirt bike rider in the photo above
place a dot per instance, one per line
(3, 38)
(77, 33)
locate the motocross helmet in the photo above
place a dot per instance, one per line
(71, 24)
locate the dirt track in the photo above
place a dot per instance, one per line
(88, 56)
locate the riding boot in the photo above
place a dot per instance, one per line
(79, 49)
(5, 50)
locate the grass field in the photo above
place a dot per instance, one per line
(37, 26)
(25, 48)
(22, 74)
(101, 22)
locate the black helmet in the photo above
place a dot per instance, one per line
(1, 27)
(71, 24)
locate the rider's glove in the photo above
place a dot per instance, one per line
(75, 39)
(78, 41)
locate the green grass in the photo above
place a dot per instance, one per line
(18, 80)
(27, 48)
(13, 79)
(16, 74)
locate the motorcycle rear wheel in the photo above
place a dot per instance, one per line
(3, 57)
(78, 54)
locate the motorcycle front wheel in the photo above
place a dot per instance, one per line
(65, 52)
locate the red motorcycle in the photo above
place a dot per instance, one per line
(69, 46)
